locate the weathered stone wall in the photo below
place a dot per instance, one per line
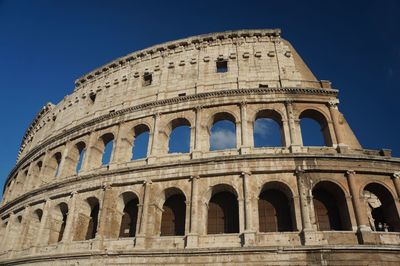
(52, 214)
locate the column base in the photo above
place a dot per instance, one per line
(311, 237)
(342, 148)
(192, 241)
(245, 150)
(249, 238)
(295, 149)
(140, 241)
(197, 154)
(151, 159)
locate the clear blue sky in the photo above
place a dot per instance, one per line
(46, 45)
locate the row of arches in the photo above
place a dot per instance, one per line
(275, 208)
(268, 131)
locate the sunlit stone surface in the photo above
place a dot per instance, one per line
(192, 152)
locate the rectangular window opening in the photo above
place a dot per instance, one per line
(147, 79)
(222, 66)
(92, 97)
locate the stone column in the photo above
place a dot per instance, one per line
(72, 212)
(294, 142)
(27, 186)
(154, 140)
(196, 153)
(26, 217)
(334, 112)
(192, 236)
(115, 158)
(245, 143)
(249, 233)
(396, 182)
(357, 205)
(87, 163)
(142, 232)
(44, 230)
(303, 184)
(105, 223)
(42, 173)
(64, 169)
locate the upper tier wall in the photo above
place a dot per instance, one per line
(185, 67)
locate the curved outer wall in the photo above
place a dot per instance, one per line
(53, 214)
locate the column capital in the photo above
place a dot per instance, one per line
(350, 172)
(396, 175)
(245, 173)
(333, 103)
(299, 171)
(192, 177)
(106, 186)
(73, 193)
(288, 102)
(243, 103)
(147, 182)
(198, 108)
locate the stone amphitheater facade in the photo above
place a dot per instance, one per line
(335, 204)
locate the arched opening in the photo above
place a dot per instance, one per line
(275, 208)
(93, 220)
(107, 142)
(87, 220)
(223, 132)
(267, 129)
(330, 207)
(223, 212)
(140, 142)
(58, 222)
(179, 138)
(381, 208)
(129, 216)
(173, 215)
(314, 129)
(80, 149)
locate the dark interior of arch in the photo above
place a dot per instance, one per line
(274, 211)
(129, 219)
(330, 207)
(173, 216)
(57, 159)
(63, 208)
(314, 129)
(387, 212)
(140, 142)
(93, 221)
(223, 214)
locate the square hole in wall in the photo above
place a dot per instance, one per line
(222, 66)
(147, 79)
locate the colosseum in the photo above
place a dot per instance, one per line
(130, 169)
